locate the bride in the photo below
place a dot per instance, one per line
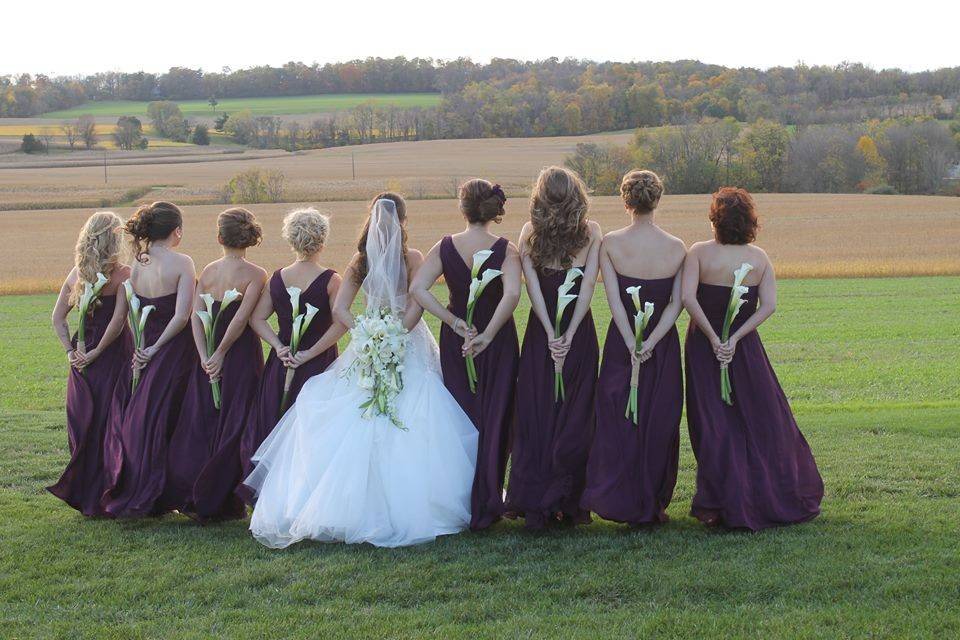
(331, 472)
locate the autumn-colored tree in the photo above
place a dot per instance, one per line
(876, 167)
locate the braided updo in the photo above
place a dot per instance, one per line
(150, 223)
(641, 190)
(238, 228)
(481, 201)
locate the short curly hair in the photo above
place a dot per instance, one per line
(306, 231)
(734, 217)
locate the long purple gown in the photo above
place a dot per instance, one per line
(551, 440)
(89, 397)
(203, 460)
(754, 467)
(491, 407)
(265, 411)
(135, 450)
(633, 467)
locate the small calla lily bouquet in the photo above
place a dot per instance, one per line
(301, 322)
(379, 342)
(209, 318)
(733, 308)
(640, 322)
(137, 317)
(477, 284)
(91, 291)
(564, 298)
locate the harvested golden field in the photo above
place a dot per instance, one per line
(808, 235)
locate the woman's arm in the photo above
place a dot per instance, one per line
(259, 321)
(690, 280)
(413, 312)
(537, 302)
(333, 333)
(587, 284)
(248, 301)
(668, 319)
(768, 304)
(427, 275)
(59, 318)
(196, 325)
(617, 311)
(505, 308)
(346, 295)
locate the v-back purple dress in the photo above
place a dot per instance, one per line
(754, 467)
(135, 451)
(89, 397)
(491, 407)
(633, 467)
(265, 411)
(551, 440)
(203, 461)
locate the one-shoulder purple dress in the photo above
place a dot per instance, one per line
(633, 467)
(203, 460)
(491, 407)
(754, 467)
(551, 440)
(265, 411)
(89, 397)
(135, 451)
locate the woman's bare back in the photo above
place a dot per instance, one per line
(160, 275)
(718, 261)
(646, 252)
(227, 273)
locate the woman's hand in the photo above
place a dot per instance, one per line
(561, 346)
(283, 352)
(646, 352)
(476, 345)
(300, 358)
(214, 365)
(89, 357)
(141, 357)
(75, 359)
(726, 351)
(464, 330)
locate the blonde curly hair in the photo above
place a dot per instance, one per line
(98, 249)
(306, 231)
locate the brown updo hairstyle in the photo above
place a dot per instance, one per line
(150, 223)
(733, 216)
(481, 201)
(360, 269)
(238, 228)
(558, 213)
(306, 231)
(641, 190)
(97, 251)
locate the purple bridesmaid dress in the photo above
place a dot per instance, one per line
(265, 410)
(754, 467)
(551, 440)
(203, 461)
(633, 467)
(89, 396)
(135, 451)
(491, 407)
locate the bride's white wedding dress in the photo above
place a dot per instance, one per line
(327, 473)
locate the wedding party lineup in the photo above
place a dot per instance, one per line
(398, 438)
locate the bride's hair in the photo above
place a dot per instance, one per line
(98, 249)
(360, 268)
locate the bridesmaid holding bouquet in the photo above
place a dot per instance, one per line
(754, 467)
(103, 358)
(559, 250)
(306, 231)
(145, 416)
(490, 338)
(204, 467)
(633, 461)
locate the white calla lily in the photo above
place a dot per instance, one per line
(295, 335)
(208, 302)
(474, 290)
(294, 293)
(647, 312)
(308, 318)
(98, 285)
(572, 274)
(86, 297)
(740, 274)
(634, 292)
(564, 300)
(229, 297)
(207, 321)
(489, 276)
(478, 259)
(144, 314)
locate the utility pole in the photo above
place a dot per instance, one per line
(104, 166)
(353, 165)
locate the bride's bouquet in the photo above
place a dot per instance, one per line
(380, 343)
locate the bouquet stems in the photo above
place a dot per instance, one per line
(471, 365)
(559, 392)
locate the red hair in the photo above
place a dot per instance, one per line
(734, 217)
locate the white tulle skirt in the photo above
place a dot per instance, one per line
(326, 473)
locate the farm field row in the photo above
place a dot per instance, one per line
(807, 235)
(267, 106)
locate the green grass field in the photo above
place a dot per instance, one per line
(870, 366)
(273, 106)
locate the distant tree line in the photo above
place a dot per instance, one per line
(906, 155)
(548, 97)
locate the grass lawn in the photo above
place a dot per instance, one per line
(869, 365)
(271, 106)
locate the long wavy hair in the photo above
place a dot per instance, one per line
(558, 213)
(98, 249)
(360, 269)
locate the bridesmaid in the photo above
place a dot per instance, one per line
(95, 370)
(754, 467)
(552, 438)
(203, 463)
(136, 446)
(492, 340)
(633, 466)
(306, 231)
